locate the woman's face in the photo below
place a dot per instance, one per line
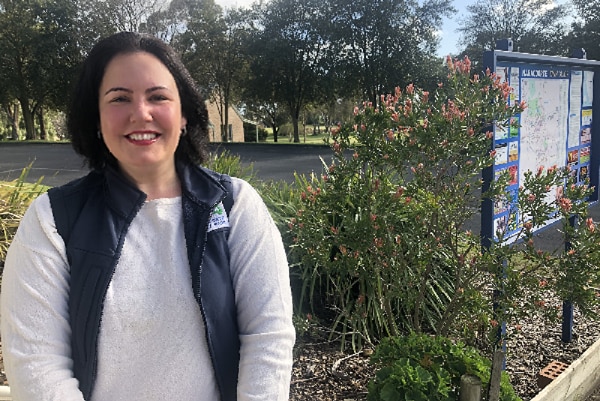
(140, 113)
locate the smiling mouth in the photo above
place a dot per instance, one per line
(142, 136)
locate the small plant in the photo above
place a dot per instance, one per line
(226, 163)
(419, 367)
(15, 197)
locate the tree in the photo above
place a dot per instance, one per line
(167, 22)
(105, 17)
(211, 44)
(230, 65)
(38, 53)
(535, 26)
(288, 47)
(381, 44)
(586, 28)
(272, 114)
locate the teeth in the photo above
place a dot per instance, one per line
(142, 137)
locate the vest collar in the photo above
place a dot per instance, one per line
(198, 185)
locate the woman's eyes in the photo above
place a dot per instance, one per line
(119, 99)
(158, 97)
(152, 98)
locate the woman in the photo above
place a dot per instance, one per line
(133, 283)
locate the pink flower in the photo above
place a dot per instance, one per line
(565, 204)
(540, 170)
(590, 224)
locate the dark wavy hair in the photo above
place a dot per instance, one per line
(83, 116)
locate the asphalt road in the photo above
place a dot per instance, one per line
(59, 164)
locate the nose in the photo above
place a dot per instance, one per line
(141, 111)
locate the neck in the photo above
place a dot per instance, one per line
(162, 183)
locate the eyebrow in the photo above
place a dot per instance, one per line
(121, 89)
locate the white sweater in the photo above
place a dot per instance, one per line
(152, 343)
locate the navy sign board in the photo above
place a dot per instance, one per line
(554, 130)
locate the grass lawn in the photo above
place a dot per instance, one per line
(306, 136)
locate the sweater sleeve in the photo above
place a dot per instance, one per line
(263, 297)
(34, 311)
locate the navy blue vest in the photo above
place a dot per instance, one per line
(93, 214)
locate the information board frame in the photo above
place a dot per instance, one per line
(559, 76)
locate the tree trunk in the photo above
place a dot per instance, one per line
(296, 130)
(226, 121)
(12, 111)
(223, 133)
(28, 118)
(41, 124)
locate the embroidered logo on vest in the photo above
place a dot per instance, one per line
(218, 218)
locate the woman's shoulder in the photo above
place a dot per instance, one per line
(243, 189)
(37, 228)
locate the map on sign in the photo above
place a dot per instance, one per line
(543, 135)
(554, 130)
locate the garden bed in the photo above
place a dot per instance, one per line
(323, 373)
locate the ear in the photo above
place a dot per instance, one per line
(183, 122)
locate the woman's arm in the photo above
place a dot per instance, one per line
(263, 297)
(34, 323)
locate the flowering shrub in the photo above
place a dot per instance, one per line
(381, 236)
(382, 239)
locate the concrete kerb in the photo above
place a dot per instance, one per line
(578, 381)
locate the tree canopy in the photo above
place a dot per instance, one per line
(276, 55)
(535, 26)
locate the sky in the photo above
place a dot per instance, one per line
(448, 34)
